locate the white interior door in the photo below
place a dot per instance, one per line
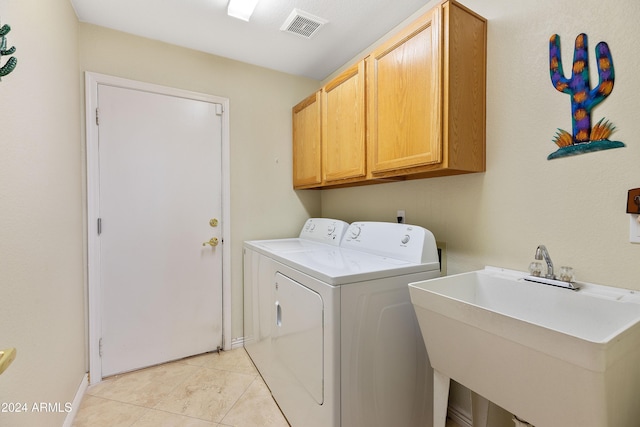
(159, 187)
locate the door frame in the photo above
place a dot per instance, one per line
(94, 302)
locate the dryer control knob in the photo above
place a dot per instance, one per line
(355, 231)
(406, 239)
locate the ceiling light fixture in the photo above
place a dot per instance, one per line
(241, 9)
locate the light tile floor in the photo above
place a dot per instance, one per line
(210, 390)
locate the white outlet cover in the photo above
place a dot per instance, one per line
(634, 228)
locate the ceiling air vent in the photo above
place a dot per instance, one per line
(302, 24)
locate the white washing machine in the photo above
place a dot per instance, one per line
(331, 327)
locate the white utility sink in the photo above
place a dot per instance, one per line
(552, 356)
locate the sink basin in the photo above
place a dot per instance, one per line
(552, 356)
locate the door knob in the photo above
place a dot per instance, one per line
(213, 242)
(213, 222)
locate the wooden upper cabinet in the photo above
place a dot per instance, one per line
(426, 91)
(464, 89)
(343, 127)
(425, 95)
(307, 132)
(404, 98)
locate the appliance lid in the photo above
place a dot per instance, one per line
(339, 266)
(315, 233)
(368, 250)
(294, 244)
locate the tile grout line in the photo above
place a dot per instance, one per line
(211, 369)
(238, 400)
(236, 365)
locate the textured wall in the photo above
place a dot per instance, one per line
(41, 246)
(576, 205)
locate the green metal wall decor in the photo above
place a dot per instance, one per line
(11, 63)
(585, 137)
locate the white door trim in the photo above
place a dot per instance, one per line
(92, 80)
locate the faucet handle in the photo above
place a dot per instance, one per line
(535, 269)
(566, 274)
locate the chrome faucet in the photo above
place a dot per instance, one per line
(550, 277)
(542, 253)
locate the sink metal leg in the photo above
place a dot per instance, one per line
(479, 410)
(440, 398)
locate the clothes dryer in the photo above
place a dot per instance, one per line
(332, 330)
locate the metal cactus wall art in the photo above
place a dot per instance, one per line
(11, 63)
(585, 137)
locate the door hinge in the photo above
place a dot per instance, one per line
(97, 119)
(99, 226)
(100, 347)
(219, 109)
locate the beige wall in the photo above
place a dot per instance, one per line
(263, 203)
(41, 245)
(42, 168)
(575, 206)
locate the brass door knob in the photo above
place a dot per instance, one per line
(213, 242)
(213, 222)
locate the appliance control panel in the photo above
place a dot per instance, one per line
(324, 230)
(406, 242)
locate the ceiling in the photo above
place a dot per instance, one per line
(352, 26)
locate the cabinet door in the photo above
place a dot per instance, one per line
(405, 103)
(343, 126)
(307, 162)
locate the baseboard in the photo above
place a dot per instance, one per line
(461, 419)
(77, 400)
(237, 343)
